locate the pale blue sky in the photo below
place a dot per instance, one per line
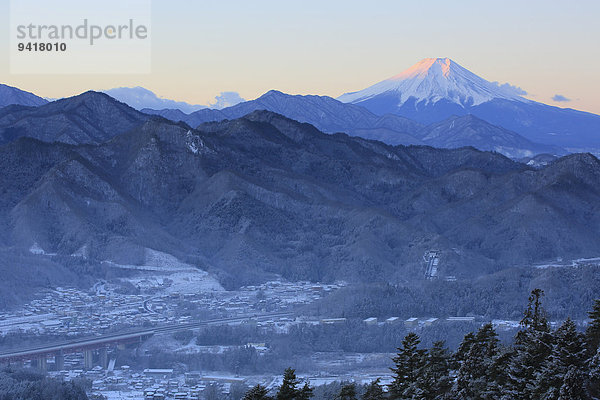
(201, 48)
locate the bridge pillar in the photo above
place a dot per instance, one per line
(104, 358)
(88, 359)
(59, 361)
(40, 364)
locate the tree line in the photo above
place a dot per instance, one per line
(540, 363)
(29, 385)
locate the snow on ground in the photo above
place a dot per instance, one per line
(155, 260)
(573, 263)
(117, 395)
(159, 259)
(145, 267)
(27, 319)
(37, 250)
(190, 281)
(170, 274)
(25, 323)
(193, 348)
(168, 343)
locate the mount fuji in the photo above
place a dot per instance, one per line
(436, 89)
(436, 79)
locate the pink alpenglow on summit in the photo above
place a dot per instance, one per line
(434, 79)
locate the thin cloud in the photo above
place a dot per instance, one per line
(560, 97)
(226, 99)
(507, 87)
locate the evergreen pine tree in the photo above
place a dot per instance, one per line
(212, 392)
(258, 392)
(593, 330)
(573, 385)
(533, 344)
(348, 392)
(237, 391)
(568, 351)
(594, 376)
(497, 374)
(408, 363)
(374, 391)
(305, 393)
(288, 389)
(434, 380)
(463, 349)
(475, 374)
(535, 316)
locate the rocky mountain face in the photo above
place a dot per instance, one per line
(89, 118)
(265, 194)
(10, 95)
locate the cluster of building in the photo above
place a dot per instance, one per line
(103, 309)
(415, 322)
(157, 384)
(412, 322)
(268, 297)
(72, 312)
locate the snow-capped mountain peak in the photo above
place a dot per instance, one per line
(433, 79)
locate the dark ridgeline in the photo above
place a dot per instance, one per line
(89, 118)
(10, 95)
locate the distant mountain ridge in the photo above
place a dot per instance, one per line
(325, 113)
(90, 117)
(12, 96)
(469, 130)
(332, 116)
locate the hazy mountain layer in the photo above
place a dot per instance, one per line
(325, 113)
(332, 116)
(469, 130)
(11, 95)
(90, 117)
